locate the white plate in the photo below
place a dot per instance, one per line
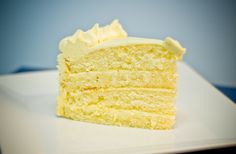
(28, 124)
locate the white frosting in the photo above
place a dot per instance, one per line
(81, 43)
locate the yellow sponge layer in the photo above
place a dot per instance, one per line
(119, 79)
(112, 116)
(132, 57)
(148, 99)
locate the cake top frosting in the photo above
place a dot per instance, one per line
(111, 35)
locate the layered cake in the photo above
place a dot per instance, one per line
(109, 78)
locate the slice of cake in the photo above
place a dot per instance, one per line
(109, 78)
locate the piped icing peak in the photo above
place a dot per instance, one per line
(81, 41)
(174, 46)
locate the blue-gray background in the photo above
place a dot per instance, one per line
(31, 30)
